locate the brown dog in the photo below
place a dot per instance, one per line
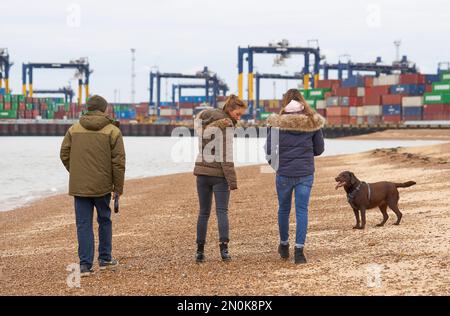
(363, 196)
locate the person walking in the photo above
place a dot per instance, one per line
(215, 171)
(294, 138)
(94, 155)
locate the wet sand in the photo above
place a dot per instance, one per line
(154, 237)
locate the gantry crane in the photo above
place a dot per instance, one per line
(180, 87)
(284, 50)
(258, 77)
(66, 91)
(5, 66)
(404, 66)
(205, 75)
(81, 66)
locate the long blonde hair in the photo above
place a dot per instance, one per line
(296, 95)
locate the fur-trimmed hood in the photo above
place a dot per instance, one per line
(296, 122)
(212, 118)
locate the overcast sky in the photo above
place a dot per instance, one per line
(185, 35)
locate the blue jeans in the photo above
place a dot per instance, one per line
(302, 188)
(84, 212)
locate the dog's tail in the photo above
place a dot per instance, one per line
(405, 185)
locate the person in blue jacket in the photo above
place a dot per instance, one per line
(294, 138)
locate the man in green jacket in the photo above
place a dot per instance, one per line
(94, 154)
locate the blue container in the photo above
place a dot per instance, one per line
(413, 111)
(392, 110)
(408, 89)
(429, 79)
(167, 103)
(2, 91)
(126, 115)
(194, 99)
(353, 82)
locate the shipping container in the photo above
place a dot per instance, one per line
(443, 87)
(353, 111)
(392, 110)
(413, 111)
(373, 110)
(392, 119)
(436, 109)
(412, 79)
(386, 80)
(8, 114)
(322, 112)
(412, 101)
(338, 120)
(377, 91)
(445, 76)
(321, 104)
(184, 112)
(317, 93)
(412, 117)
(436, 98)
(328, 84)
(361, 92)
(373, 120)
(408, 89)
(353, 82)
(368, 81)
(391, 99)
(338, 111)
(430, 79)
(372, 99)
(332, 101)
(346, 92)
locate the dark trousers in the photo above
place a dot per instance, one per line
(84, 211)
(206, 187)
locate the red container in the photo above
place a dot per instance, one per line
(372, 100)
(188, 105)
(328, 84)
(346, 92)
(355, 101)
(371, 120)
(412, 118)
(338, 111)
(436, 116)
(392, 118)
(412, 79)
(391, 99)
(322, 112)
(328, 95)
(368, 82)
(35, 113)
(7, 106)
(22, 106)
(436, 109)
(338, 120)
(353, 120)
(378, 90)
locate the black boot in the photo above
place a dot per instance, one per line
(200, 257)
(224, 252)
(299, 256)
(283, 250)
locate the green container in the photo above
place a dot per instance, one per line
(29, 106)
(437, 98)
(7, 98)
(20, 98)
(318, 94)
(445, 76)
(312, 103)
(1, 106)
(50, 115)
(15, 106)
(264, 115)
(305, 93)
(8, 114)
(441, 87)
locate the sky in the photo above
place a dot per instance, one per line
(186, 35)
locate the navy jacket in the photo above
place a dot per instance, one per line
(293, 141)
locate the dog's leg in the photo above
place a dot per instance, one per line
(394, 207)
(383, 209)
(363, 218)
(358, 222)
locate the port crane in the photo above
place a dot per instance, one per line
(180, 87)
(283, 50)
(5, 66)
(404, 66)
(66, 91)
(205, 75)
(82, 71)
(259, 77)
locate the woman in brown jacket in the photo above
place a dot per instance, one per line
(214, 169)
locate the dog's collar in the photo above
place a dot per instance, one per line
(351, 195)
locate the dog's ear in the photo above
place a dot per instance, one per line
(352, 178)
